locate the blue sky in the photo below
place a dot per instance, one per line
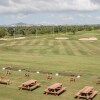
(50, 11)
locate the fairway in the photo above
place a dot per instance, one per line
(46, 54)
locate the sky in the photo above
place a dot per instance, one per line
(50, 12)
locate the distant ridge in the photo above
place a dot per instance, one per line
(19, 24)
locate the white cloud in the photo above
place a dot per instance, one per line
(31, 6)
(96, 1)
(94, 17)
(84, 15)
(65, 18)
(81, 15)
(18, 16)
(97, 17)
(85, 5)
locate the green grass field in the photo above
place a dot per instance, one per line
(45, 54)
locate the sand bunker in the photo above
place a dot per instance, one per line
(61, 38)
(20, 38)
(12, 38)
(3, 39)
(89, 39)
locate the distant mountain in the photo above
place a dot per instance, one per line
(25, 24)
(19, 24)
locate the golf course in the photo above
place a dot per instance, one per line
(59, 54)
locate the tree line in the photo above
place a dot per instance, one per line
(35, 30)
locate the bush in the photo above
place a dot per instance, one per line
(3, 32)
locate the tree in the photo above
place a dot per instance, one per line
(74, 31)
(3, 32)
(11, 31)
(22, 31)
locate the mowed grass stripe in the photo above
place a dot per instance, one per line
(24, 42)
(83, 49)
(67, 48)
(97, 43)
(41, 48)
(61, 47)
(17, 42)
(32, 42)
(50, 44)
(95, 48)
(55, 48)
(37, 42)
(45, 48)
(79, 48)
(41, 42)
(74, 48)
(45, 42)
(89, 50)
(2, 44)
(27, 43)
(38, 46)
(91, 47)
(12, 43)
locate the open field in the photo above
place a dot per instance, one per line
(46, 54)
